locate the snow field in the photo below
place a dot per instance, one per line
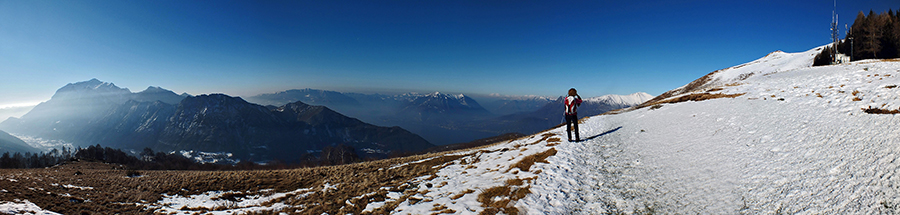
(780, 148)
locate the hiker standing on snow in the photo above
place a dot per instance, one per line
(572, 103)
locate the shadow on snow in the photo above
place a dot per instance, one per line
(602, 134)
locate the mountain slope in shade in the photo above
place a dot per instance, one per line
(93, 112)
(441, 108)
(11, 144)
(152, 94)
(435, 116)
(229, 124)
(360, 134)
(134, 125)
(69, 110)
(74, 106)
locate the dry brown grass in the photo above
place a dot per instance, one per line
(890, 86)
(111, 189)
(526, 163)
(693, 97)
(553, 141)
(460, 195)
(442, 209)
(872, 110)
(502, 198)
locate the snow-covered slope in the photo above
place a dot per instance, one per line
(774, 62)
(796, 141)
(621, 100)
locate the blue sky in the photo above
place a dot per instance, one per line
(244, 48)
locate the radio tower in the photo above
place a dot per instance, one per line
(834, 34)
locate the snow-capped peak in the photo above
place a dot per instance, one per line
(153, 89)
(90, 88)
(624, 100)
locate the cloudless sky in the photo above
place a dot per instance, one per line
(243, 48)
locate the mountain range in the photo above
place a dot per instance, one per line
(95, 112)
(451, 118)
(551, 114)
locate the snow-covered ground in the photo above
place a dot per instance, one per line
(218, 202)
(22, 207)
(795, 141)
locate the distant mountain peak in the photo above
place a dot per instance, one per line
(92, 81)
(153, 89)
(152, 94)
(90, 88)
(92, 84)
(219, 97)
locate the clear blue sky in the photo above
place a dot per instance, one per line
(244, 48)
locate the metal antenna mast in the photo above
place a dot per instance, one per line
(834, 34)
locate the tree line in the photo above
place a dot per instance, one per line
(872, 36)
(150, 160)
(35, 160)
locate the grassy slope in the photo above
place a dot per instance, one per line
(112, 192)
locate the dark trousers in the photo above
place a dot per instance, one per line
(572, 121)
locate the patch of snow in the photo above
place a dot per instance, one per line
(69, 186)
(23, 207)
(328, 187)
(374, 151)
(209, 157)
(214, 200)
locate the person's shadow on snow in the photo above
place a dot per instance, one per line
(604, 133)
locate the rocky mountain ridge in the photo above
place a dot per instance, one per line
(93, 112)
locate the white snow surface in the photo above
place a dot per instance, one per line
(621, 100)
(22, 207)
(216, 202)
(796, 141)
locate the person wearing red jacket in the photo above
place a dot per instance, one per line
(572, 103)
